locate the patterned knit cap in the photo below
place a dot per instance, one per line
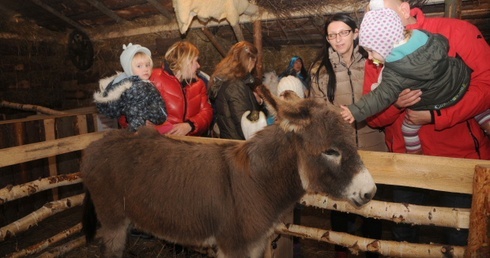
(380, 30)
(127, 56)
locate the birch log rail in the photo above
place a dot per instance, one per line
(434, 173)
(28, 107)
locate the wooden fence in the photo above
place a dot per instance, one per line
(435, 173)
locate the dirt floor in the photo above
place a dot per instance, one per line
(138, 247)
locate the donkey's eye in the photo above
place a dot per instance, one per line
(332, 152)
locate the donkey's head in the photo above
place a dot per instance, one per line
(328, 161)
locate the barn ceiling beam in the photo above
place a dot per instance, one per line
(264, 16)
(102, 8)
(161, 9)
(214, 41)
(37, 33)
(59, 15)
(270, 42)
(27, 36)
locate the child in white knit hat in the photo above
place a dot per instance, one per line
(291, 83)
(412, 59)
(130, 93)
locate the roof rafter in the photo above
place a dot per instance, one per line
(101, 7)
(264, 16)
(59, 15)
(161, 9)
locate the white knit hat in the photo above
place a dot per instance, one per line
(291, 83)
(127, 56)
(380, 30)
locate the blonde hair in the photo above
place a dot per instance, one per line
(179, 57)
(142, 55)
(235, 64)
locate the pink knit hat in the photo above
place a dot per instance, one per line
(380, 30)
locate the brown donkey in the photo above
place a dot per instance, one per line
(230, 195)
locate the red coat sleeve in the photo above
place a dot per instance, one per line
(388, 116)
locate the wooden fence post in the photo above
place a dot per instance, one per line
(50, 134)
(19, 132)
(259, 66)
(478, 240)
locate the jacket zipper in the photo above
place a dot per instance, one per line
(349, 73)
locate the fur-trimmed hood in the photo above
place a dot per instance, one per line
(132, 97)
(111, 88)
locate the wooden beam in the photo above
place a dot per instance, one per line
(265, 39)
(49, 135)
(33, 151)
(385, 247)
(28, 107)
(59, 15)
(214, 41)
(20, 132)
(480, 207)
(464, 13)
(161, 9)
(29, 36)
(39, 33)
(101, 7)
(264, 16)
(259, 67)
(452, 9)
(428, 172)
(238, 32)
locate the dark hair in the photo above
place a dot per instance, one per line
(324, 55)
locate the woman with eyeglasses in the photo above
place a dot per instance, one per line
(337, 77)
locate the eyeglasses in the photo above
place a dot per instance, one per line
(342, 33)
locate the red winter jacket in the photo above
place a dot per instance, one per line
(454, 133)
(188, 103)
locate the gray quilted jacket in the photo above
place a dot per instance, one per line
(442, 79)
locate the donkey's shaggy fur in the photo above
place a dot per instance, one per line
(229, 195)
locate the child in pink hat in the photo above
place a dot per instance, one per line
(412, 59)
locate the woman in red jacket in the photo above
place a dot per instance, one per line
(185, 94)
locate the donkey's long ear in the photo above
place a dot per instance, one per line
(292, 113)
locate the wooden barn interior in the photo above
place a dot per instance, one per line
(54, 52)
